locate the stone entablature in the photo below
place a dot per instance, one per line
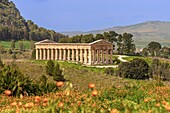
(97, 52)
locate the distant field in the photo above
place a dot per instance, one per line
(7, 44)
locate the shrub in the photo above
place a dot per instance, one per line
(159, 70)
(53, 69)
(109, 71)
(33, 54)
(15, 81)
(135, 69)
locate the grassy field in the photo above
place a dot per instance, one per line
(123, 95)
(7, 44)
(114, 94)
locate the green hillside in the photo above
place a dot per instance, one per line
(14, 26)
(143, 33)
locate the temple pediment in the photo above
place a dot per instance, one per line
(45, 41)
(100, 42)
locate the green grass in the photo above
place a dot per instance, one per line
(7, 44)
(125, 95)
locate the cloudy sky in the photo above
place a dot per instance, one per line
(85, 15)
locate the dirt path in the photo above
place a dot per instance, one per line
(120, 57)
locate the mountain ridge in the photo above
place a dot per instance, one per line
(143, 32)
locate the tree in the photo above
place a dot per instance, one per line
(145, 52)
(12, 44)
(135, 69)
(87, 38)
(159, 69)
(21, 46)
(32, 45)
(33, 54)
(154, 48)
(128, 45)
(99, 36)
(53, 69)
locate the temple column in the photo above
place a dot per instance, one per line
(73, 55)
(64, 54)
(107, 56)
(102, 56)
(77, 55)
(98, 56)
(48, 54)
(60, 54)
(44, 56)
(94, 56)
(37, 55)
(111, 52)
(68, 56)
(52, 54)
(90, 56)
(40, 54)
(56, 54)
(85, 56)
(81, 55)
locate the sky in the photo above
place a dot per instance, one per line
(86, 15)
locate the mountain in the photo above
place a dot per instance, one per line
(14, 26)
(143, 32)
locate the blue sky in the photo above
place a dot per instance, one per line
(86, 15)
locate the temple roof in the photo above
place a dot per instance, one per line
(45, 41)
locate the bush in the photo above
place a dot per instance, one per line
(160, 70)
(116, 61)
(109, 71)
(53, 69)
(33, 54)
(135, 69)
(15, 81)
(12, 79)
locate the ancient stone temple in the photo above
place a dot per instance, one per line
(97, 52)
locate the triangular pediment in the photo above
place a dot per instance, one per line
(45, 41)
(101, 41)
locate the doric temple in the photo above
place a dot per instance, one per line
(97, 52)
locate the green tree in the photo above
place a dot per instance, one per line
(128, 45)
(12, 44)
(33, 54)
(145, 52)
(159, 69)
(53, 69)
(154, 48)
(21, 46)
(135, 69)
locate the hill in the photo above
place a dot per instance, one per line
(143, 32)
(14, 26)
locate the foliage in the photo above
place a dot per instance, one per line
(1, 49)
(21, 46)
(109, 71)
(33, 54)
(14, 56)
(53, 69)
(1, 63)
(160, 70)
(12, 44)
(15, 81)
(14, 26)
(135, 69)
(154, 48)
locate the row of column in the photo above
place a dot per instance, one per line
(85, 56)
